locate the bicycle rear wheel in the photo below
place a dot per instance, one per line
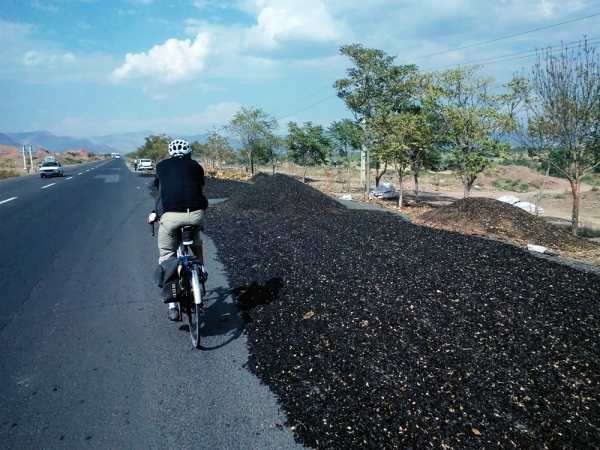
(195, 309)
(193, 314)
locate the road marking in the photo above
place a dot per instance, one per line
(68, 178)
(48, 185)
(8, 200)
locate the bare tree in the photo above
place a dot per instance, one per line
(565, 113)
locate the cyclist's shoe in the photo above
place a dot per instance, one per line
(174, 314)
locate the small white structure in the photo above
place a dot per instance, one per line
(529, 207)
(526, 206)
(510, 199)
(384, 190)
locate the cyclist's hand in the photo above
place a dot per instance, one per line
(152, 217)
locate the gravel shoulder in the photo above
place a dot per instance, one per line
(377, 333)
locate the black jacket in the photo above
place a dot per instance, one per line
(179, 181)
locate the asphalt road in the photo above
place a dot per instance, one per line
(89, 359)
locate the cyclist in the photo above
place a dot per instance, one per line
(179, 180)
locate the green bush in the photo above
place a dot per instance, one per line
(8, 173)
(505, 184)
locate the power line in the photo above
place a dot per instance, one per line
(521, 55)
(475, 44)
(509, 36)
(306, 108)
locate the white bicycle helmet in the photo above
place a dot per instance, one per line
(179, 147)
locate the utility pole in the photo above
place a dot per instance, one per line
(363, 164)
(30, 158)
(24, 159)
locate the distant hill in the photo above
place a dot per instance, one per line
(117, 142)
(6, 140)
(123, 142)
(55, 143)
(130, 141)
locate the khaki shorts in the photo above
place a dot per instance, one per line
(168, 231)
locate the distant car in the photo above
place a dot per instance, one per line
(145, 165)
(51, 169)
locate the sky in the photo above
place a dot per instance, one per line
(95, 67)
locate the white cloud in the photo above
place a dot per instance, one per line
(276, 24)
(174, 60)
(282, 21)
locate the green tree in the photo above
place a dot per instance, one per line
(373, 84)
(253, 127)
(346, 137)
(155, 147)
(565, 113)
(308, 145)
(217, 150)
(474, 120)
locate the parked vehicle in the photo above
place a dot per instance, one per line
(145, 165)
(51, 169)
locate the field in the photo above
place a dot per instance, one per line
(11, 160)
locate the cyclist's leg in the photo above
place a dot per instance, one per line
(197, 218)
(167, 236)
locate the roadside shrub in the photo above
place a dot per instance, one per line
(8, 173)
(505, 184)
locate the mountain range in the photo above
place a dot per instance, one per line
(117, 142)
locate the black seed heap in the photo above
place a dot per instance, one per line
(376, 333)
(507, 221)
(218, 188)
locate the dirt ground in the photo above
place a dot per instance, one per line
(441, 188)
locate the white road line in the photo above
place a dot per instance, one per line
(48, 185)
(8, 200)
(68, 178)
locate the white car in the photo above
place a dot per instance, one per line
(51, 169)
(144, 165)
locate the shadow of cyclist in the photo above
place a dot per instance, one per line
(228, 311)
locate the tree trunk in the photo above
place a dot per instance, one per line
(467, 185)
(304, 174)
(379, 175)
(576, 193)
(401, 189)
(416, 184)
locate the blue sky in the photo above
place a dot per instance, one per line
(93, 67)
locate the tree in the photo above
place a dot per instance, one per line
(217, 150)
(308, 145)
(252, 127)
(565, 114)
(373, 83)
(155, 147)
(392, 134)
(272, 149)
(346, 137)
(474, 120)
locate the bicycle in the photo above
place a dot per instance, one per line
(192, 280)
